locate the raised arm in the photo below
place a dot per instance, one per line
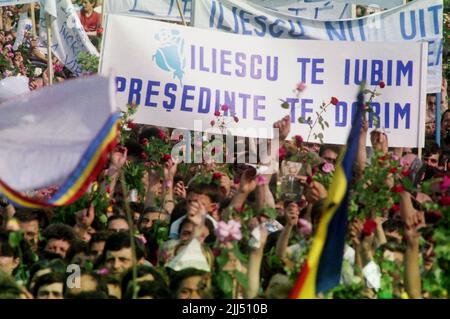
(254, 265)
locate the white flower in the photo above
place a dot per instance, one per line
(37, 72)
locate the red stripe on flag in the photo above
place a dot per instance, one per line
(300, 281)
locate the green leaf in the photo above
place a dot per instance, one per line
(14, 239)
(225, 283)
(238, 254)
(320, 135)
(241, 278)
(326, 124)
(301, 120)
(367, 91)
(103, 219)
(285, 105)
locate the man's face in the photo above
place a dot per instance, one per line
(446, 122)
(187, 232)
(31, 233)
(118, 225)
(58, 246)
(8, 264)
(97, 249)
(148, 219)
(87, 5)
(432, 160)
(431, 103)
(330, 156)
(191, 288)
(118, 261)
(52, 291)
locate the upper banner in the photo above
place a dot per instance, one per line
(68, 36)
(15, 2)
(384, 4)
(417, 21)
(180, 76)
(168, 10)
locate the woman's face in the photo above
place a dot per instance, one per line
(87, 5)
(446, 122)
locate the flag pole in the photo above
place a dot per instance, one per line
(33, 20)
(181, 13)
(49, 48)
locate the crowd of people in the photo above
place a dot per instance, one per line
(151, 228)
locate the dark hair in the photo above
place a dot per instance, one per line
(141, 271)
(99, 237)
(116, 217)
(120, 240)
(431, 147)
(77, 247)
(330, 147)
(59, 231)
(211, 190)
(23, 215)
(177, 278)
(56, 265)
(48, 279)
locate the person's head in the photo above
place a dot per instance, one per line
(97, 244)
(29, 224)
(431, 155)
(329, 153)
(88, 282)
(44, 267)
(9, 256)
(279, 287)
(84, 218)
(431, 102)
(59, 238)
(49, 286)
(143, 273)
(190, 283)
(150, 215)
(445, 121)
(118, 223)
(117, 254)
(89, 5)
(208, 195)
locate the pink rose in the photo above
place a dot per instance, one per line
(227, 232)
(305, 227)
(225, 107)
(261, 180)
(301, 87)
(445, 184)
(328, 168)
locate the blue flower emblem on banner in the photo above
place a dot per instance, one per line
(170, 55)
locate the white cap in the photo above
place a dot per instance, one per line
(190, 256)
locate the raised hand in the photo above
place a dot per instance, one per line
(284, 127)
(292, 214)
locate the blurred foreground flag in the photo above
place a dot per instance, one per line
(60, 135)
(322, 268)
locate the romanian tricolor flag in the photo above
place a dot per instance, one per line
(322, 269)
(59, 135)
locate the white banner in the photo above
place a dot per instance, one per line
(417, 21)
(313, 9)
(15, 2)
(68, 36)
(180, 76)
(385, 4)
(168, 10)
